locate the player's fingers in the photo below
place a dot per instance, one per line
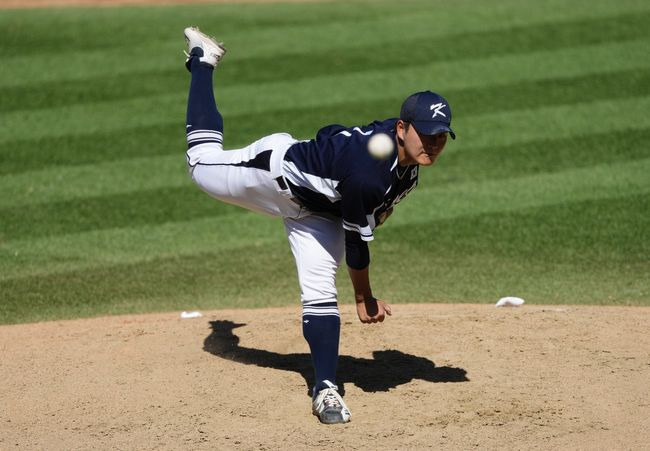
(389, 312)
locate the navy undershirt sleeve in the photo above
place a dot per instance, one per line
(357, 255)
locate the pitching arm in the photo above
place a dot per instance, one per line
(359, 198)
(369, 308)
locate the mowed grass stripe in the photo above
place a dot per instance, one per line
(486, 130)
(484, 279)
(157, 285)
(25, 155)
(354, 59)
(359, 87)
(122, 27)
(246, 37)
(539, 156)
(182, 203)
(572, 230)
(449, 23)
(57, 28)
(593, 251)
(106, 212)
(110, 87)
(429, 202)
(212, 278)
(96, 248)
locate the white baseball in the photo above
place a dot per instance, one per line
(380, 146)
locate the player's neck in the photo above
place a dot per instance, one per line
(402, 158)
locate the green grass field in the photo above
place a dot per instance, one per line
(544, 195)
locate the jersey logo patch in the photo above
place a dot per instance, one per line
(414, 172)
(436, 107)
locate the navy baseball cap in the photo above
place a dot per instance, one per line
(428, 112)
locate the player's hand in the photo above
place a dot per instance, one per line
(373, 311)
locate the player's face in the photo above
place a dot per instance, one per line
(422, 149)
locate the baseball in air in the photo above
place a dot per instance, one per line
(381, 146)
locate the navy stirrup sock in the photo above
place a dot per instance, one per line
(204, 123)
(322, 334)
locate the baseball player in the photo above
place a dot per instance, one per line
(330, 192)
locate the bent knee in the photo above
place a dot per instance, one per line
(201, 153)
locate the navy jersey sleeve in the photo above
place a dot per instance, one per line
(359, 199)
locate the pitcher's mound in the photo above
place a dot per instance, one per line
(431, 376)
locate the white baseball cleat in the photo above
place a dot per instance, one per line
(213, 51)
(329, 407)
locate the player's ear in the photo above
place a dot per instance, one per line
(400, 128)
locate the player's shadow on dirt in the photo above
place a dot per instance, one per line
(386, 370)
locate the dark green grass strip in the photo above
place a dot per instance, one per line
(586, 233)
(405, 53)
(51, 30)
(473, 258)
(555, 91)
(165, 139)
(256, 70)
(157, 285)
(186, 203)
(72, 150)
(595, 251)
(105, 212)
(109, 88)
(514, 40)
(544, 156)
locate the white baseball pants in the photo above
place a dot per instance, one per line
(247, 177)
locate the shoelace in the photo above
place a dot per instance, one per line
(331, 400)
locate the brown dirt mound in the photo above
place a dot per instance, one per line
(441, 376)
